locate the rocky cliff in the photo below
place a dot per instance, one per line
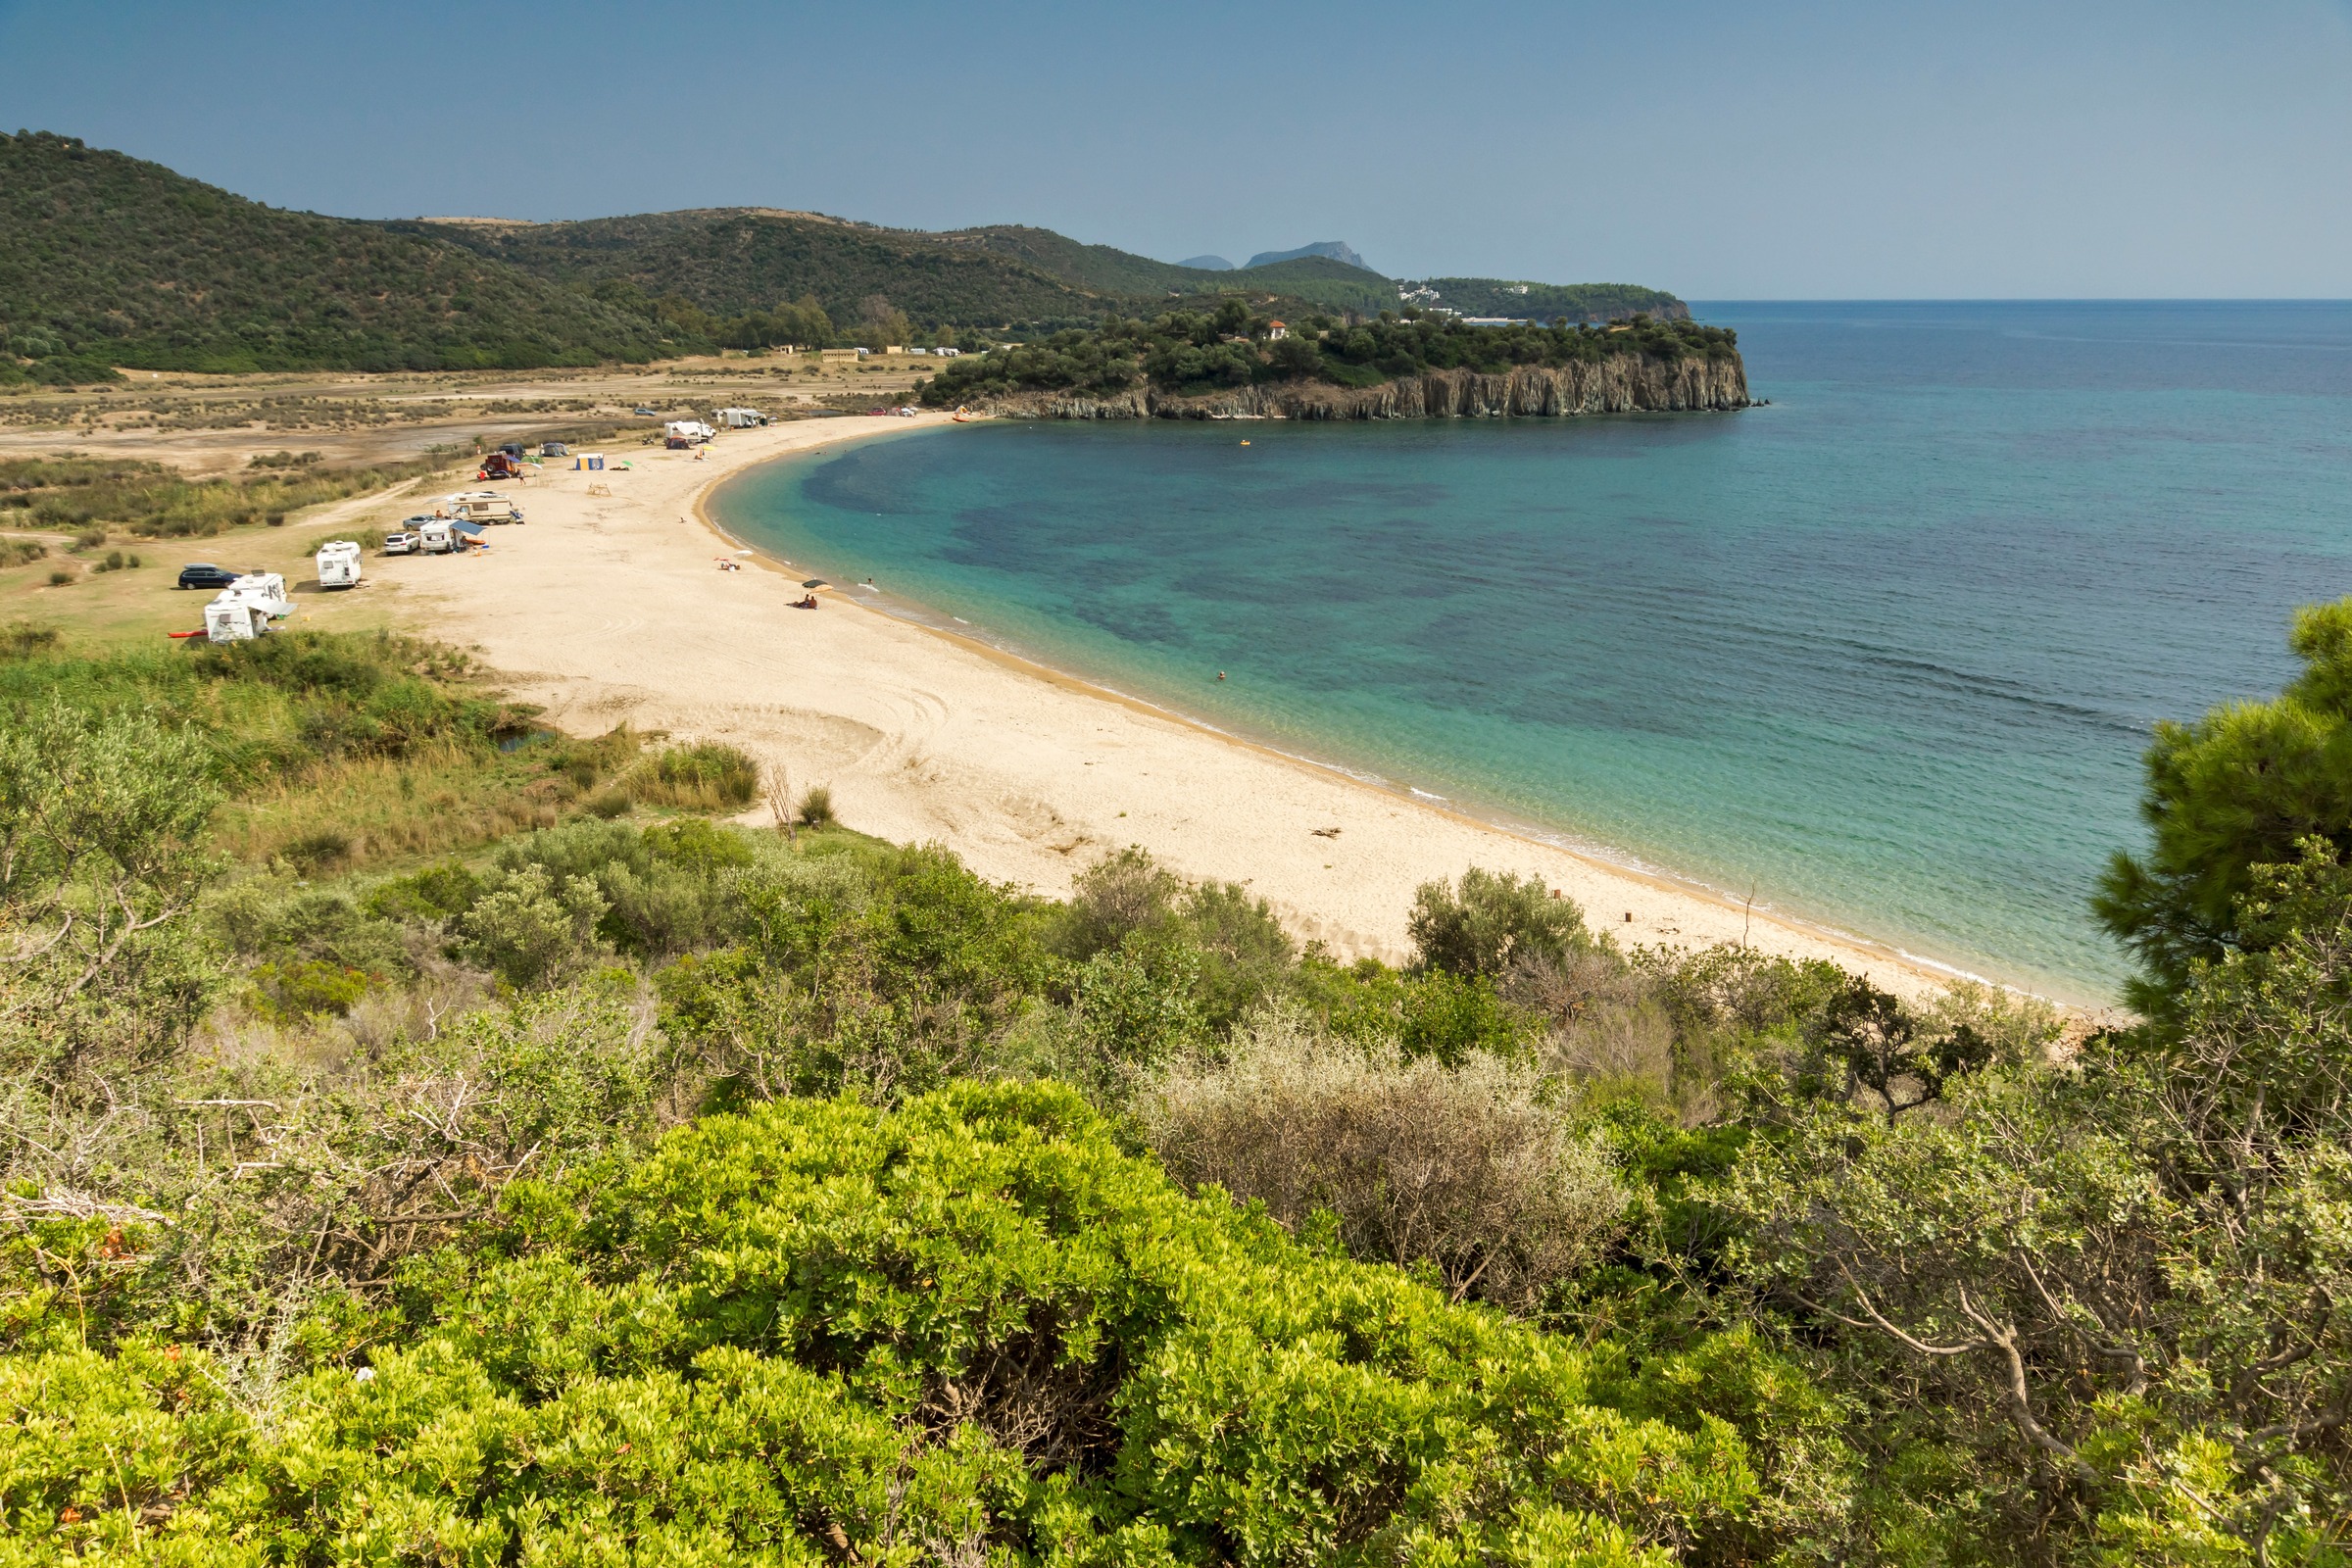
(1625, 383)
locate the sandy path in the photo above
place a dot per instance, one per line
(611, 607)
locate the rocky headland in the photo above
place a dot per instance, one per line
(1622, 383)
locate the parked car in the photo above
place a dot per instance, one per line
(204, 574)
(400, 544)
(645, 413)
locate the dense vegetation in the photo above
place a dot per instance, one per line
(424, 1146)
(731, 261)
(1187, 352)
(71, 493)
(107, 260)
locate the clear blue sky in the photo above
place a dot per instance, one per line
(1724, 151)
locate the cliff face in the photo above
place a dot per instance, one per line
(1627, 383)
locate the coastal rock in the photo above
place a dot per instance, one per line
(1624, 383)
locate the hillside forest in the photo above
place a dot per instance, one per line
(107, 261)
(1192, 351)
(432, 1138)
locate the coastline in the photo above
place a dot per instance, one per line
(1029, 772)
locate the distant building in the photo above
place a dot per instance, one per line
(947, 353)
(1495, 321)
(1277, 332)
(843, 356)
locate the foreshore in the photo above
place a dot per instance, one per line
(611, 607)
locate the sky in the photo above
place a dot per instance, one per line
(1753, 150)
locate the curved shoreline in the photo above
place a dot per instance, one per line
(1924, 971)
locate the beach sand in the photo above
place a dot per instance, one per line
(607, 609)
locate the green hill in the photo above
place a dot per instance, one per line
(728, 261)
(107, 260)
(1096, 268)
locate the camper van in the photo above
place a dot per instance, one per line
(685, 433)
(738, 418)
(230, 620)
(437, 537)
(339, 564)
(481, 506)
(244, 609)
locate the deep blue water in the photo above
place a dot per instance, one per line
(1888, 650)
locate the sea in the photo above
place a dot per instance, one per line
(1884, 654)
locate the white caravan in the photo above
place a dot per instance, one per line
(739, 419)
(339, 564)
(438, 537)
(244, 610)
(233, 620)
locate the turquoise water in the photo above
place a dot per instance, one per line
(1886, 651)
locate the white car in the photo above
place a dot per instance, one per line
(400, 544)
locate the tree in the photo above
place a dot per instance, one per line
(99, 819)
(2125, 1276)
(2238, 789)
(1492, 922)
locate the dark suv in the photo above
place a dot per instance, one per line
(205, 575)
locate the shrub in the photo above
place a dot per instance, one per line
(816, 806)
(1490, 922)
(708, 776)
(23, 639)
(309, 987)
(90, 538)
(60, 578)
(973, 1331)
(1465, 1169)
(19, 552)
(532, 930)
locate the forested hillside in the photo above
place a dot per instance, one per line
(731, 261)
(1192, 351)
(109, 260)
(106, 259)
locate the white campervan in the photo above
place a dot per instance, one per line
(438, 537)
(244, 610)
(339, 564)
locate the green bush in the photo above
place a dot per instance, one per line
(970, 1330)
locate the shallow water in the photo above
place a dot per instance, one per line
(1886, 651)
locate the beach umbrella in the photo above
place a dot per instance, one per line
(817, 582)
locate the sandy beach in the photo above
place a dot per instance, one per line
(609, 606)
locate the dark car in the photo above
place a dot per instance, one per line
(203, 575)
(645, 413)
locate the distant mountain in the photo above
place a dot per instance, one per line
(107, 260)
(1207, 264)
(1339, 250)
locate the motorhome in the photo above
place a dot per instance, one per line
(339, 564)
(244, 609)
(686, 433)
(739, 419)
(437, 537)
(230, 620)
(481, 506)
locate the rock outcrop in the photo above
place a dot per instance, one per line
(1624, 383)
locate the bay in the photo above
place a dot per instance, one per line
(1885, 651)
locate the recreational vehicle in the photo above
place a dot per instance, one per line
(339, 565)
(230, 620)
(437, 537)
(739, 419)
(481, 506)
